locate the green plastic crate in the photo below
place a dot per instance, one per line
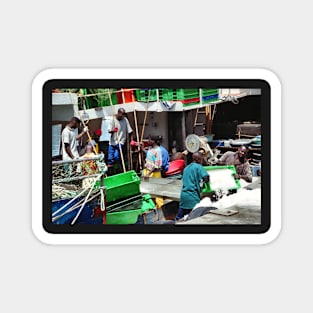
(184, 94)
(207, 188)
(167, 94)
(121, 186)
(210, 98)
(143, 95)
(185, 105)
(131, 216)
(104, 101)
(209, 92)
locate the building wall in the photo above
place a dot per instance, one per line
(156, 124)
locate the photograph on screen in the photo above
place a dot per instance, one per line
(156, 156)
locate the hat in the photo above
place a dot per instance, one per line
(98, 132)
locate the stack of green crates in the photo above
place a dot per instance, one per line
(166, 94)
(146, 95)
(178, 94)
(186, 94)
(131, 216)
(104, 100)
(183, 94)
(209, 95)
(121, 186)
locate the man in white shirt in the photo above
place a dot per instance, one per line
(119, 128)
(70, 138)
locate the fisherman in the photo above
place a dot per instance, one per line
(119, 129)
(193, 176)
(70, 139)
(240, 161)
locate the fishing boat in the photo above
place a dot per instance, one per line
(93, 198)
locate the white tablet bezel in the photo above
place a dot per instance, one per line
(152, 239)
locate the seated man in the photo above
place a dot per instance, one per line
(239, 160)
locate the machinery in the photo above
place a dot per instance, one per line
(196, 143)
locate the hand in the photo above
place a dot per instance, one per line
(86, 129)
(133, 143)
(206, 179)
(115, 129)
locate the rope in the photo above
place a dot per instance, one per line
(74, 207)
(102, 202)
(86, 198)
(66, 204)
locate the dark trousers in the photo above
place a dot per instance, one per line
(181, 213)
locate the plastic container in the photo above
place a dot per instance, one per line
(207, 187)
(131, 216)
(143, 95)
(133, 203)
(104, 100)
(86, 216)
(121, 186)
(175, 167)
(167, 94)
(189, 102)
(185, 94)
(210, 98)
(209, 92)
(128, 95)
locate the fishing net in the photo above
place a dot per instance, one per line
(69, 178)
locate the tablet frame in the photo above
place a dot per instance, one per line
(159, 234)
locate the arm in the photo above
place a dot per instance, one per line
(112, 127)
(248, 175)
(223, 159)
(81, 134)
(205, 175)
(206, 178)
(68, 150)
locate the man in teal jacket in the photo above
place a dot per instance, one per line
(190, 194)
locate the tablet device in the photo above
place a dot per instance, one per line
(98, 174)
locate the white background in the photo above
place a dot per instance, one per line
(40, 278)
